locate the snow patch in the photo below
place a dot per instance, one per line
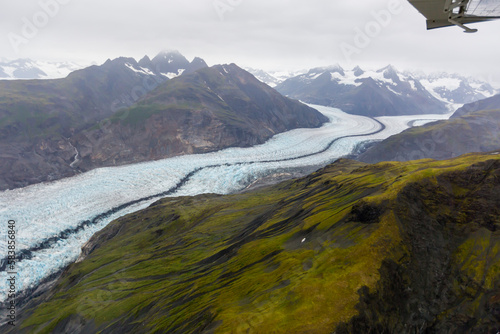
(450, 84)
(413, 85)
(393, 91)
(140, 71)
(172, 75)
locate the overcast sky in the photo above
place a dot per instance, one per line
(268, 34)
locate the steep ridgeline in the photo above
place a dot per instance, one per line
(382, 93)
(353, 248)
(492, 103)
(55, 128)
(213, 108)
(473, 128)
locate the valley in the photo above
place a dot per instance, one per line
(327, 167)
(73, 209)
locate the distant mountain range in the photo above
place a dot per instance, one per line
(30, 69)
(384, 92)
(169, 63)
(111, 114)
(453, 89)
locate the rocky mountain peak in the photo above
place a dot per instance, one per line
(145, 62)
(196, 64)
(169, 62)
(390, 73)
(358, 71)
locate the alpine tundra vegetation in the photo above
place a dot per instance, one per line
(393, 247)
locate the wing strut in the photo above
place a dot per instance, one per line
(445, 13)
(456, 10)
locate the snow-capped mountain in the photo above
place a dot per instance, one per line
(455, 88)
(384, 92)
(170, 64)
(30, 69)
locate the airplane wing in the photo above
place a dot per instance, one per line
(444, 13)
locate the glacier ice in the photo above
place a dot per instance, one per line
(43, 211)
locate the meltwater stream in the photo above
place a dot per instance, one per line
(54, 220)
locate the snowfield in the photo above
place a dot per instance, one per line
(54, 220)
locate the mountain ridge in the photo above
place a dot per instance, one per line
(452, 89)
(472, 128)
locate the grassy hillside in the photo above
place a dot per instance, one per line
(393, 247)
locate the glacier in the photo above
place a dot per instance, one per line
(54, 220)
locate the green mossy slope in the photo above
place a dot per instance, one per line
(393, 247)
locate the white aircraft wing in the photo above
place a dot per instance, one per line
(444, 13)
